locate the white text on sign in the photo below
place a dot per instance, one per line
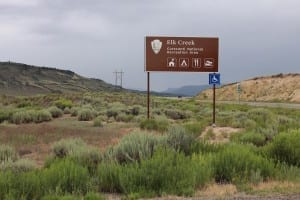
(181, 42)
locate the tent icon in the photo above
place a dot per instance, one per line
(184, 62)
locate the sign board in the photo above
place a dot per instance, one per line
(181, 54)
(214, 79)
(239, 88)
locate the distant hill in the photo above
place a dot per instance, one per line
(22, 79)
(189, 90)
(276, 88)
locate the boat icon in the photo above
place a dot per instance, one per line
(208, 62)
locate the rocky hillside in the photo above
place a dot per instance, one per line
(276, 88)
(22, 79)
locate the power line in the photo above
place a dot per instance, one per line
(119, 78)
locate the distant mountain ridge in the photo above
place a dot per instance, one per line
(275, 88)
(23, 79)
(188, 90)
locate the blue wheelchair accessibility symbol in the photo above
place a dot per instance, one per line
(214, 79)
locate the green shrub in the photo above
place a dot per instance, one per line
(236, 119)
(205, 147)
(108, 174)
(23, 165)
(78, 151)
(167, 172)
(55, 111)
(27, 185)
(7, 153)
(124, 117)
(5, 114)
(86, 115)
(135, 110)
(5, 178)
(266, 121)
(63, 103)
(261, 115)
(225, 118)
(23, 117)
(42, 116)
(179, 139)
(24, 104)
(203, 169)
(66, 147)
(9, 161)
(136, 147)
(239, 119)
(249, 124)
(195, 128)
(112, 113)
(115, 109)
(88, 157)
(74, 111)
(285, 148)
(98, 121)
(287, 173)
(177, 114)
(65, 177)
(286, 123)
(250, 137)
(20, 186)
(157, 111)
(67, 110)
(154, 124)
(239, 163)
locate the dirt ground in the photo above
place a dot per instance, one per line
(218, 134)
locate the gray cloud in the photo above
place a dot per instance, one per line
(96, 37)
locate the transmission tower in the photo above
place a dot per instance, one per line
(119, 78)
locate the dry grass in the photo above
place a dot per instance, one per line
(34, 141)
(217, 190)
(271, 187)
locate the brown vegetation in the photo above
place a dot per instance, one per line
(34, 141)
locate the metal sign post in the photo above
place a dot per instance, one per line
(239, 91)
(148, 95)
(214, 79)
(214, 106)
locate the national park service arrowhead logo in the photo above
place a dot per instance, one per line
(156, 45)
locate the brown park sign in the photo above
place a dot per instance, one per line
(181, 54)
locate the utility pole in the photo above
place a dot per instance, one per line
(119, 78)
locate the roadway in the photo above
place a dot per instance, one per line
(259, 104)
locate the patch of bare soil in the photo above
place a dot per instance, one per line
(218, 134)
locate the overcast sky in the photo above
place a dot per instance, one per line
(95, 37)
